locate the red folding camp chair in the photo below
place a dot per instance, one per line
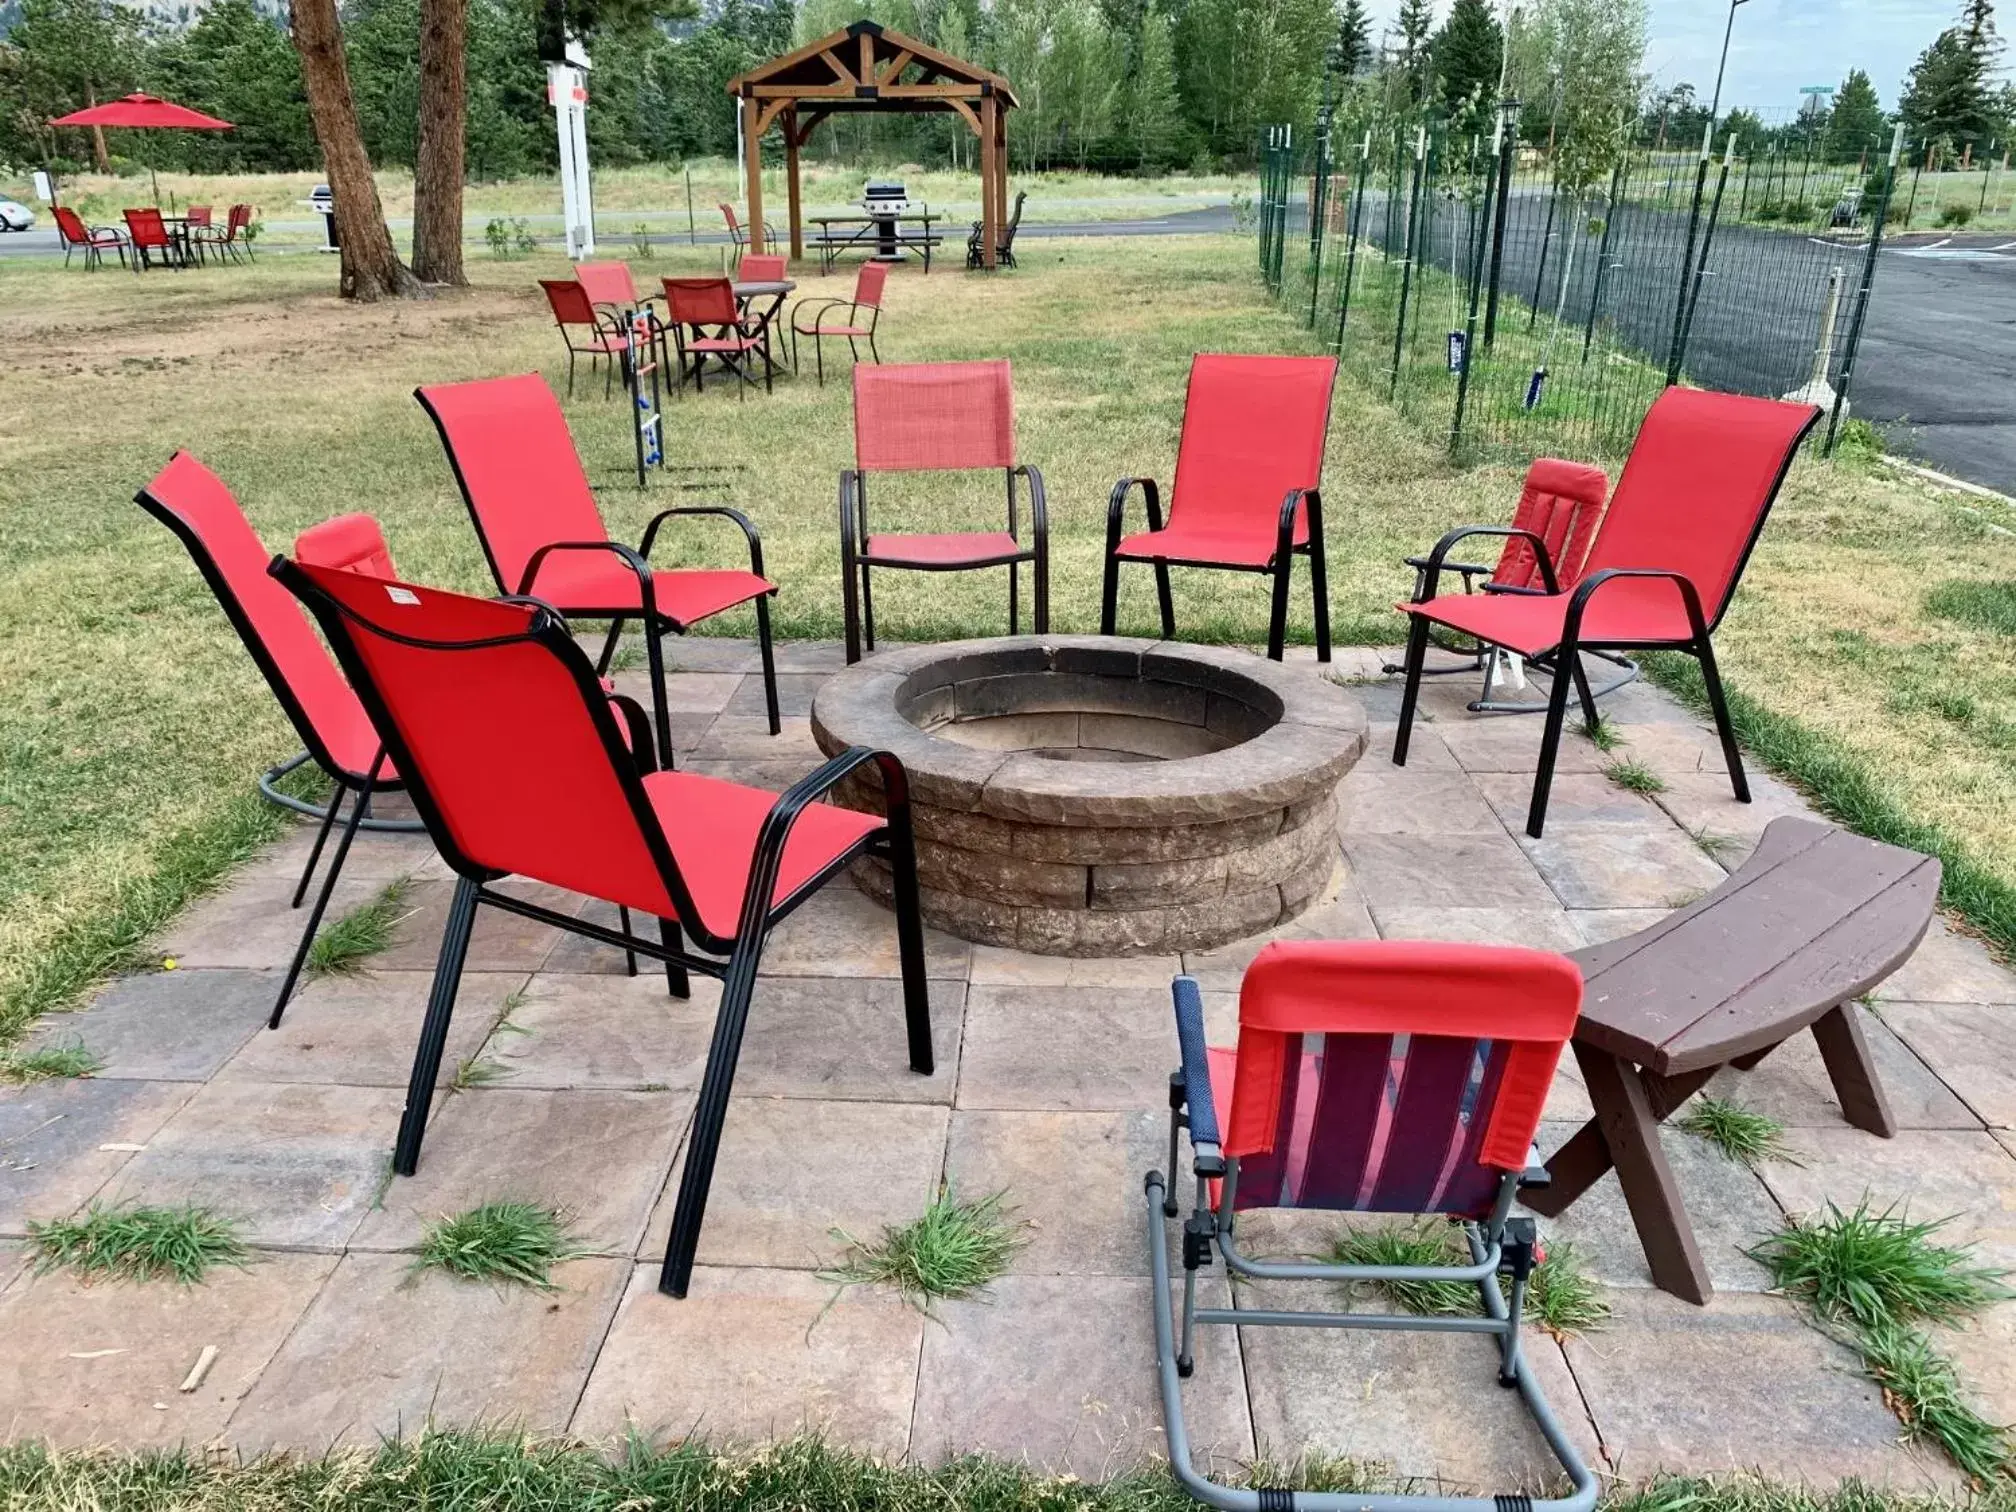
(1561, 503)
(542, 534)
(705, 320)
(1696, 489)
(863, 313)
(335, 731)
(603, 334)
(1247, 496)
(934, 416)
(1371, 1076)
(95, 240)
(521, 767)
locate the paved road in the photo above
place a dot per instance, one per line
(1938, 363)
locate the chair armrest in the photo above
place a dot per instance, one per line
(1039, 504)
(1284, 540)
(776, 831)
(1690, 598)
(734, 516)
(636, 731)
(1202, 1113)
(1438, 558)
(1116, 508)
(819, 307)
(630, 559)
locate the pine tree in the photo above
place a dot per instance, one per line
(1352, 54)
(1416, 22)
(1153, 118)
(1467, 52)
(1949, 94)
(1856, 125)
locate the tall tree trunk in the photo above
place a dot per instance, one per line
(104, 158)
(437, 173)
(370, 267)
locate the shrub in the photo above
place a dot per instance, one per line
(1957, 214)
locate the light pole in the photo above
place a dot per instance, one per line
(1715, 106)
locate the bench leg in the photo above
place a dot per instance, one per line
(1846, 1053)
(1630, 1125)
(1585, 1159)
(1754, 1059)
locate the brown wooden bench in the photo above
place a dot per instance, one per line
(1814, 919)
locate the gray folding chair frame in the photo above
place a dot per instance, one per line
(1499, 1243)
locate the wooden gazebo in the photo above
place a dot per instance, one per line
(868, 67)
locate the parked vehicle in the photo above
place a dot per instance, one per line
(15, 216)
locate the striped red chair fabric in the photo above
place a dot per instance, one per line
(1371, 1076)
(542, 534)
(937, 417)
(1247, 495)
(1696, 490)
(335, 732)
(522, 767)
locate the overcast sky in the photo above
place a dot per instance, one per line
(1781, 44)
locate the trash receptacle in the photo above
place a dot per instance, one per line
(323, 203)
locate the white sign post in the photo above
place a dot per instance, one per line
(567, 90)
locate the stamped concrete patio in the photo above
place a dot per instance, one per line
(1050, 1086)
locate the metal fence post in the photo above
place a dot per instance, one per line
(1469, 330)
(1319, 215)
(1407, 255)
(1507, 148)
(1862, 295)
(1603, 256)
(1353, 229)
(1687, 257)
(1701, 267)
(1546, 242)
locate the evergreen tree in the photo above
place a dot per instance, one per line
(236, 64)
(1153, 117)
(1352, 54)
(1949, 94)
(1856, 125)
(1467, 52)
(1416, 23)
(73, 53)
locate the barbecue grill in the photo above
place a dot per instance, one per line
(886, 202)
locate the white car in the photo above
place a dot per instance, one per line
(15, 216)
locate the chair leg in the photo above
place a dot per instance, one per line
(1014, 599)
(1550, 746)
(1277, 618)
(609, 645)
(1040, 590)
(654, 653)
(357, 811)
(1109, 595)
(675, 974)
(867, 608)
(315, 852)
(910, 943)
(763, 646)
(1711, 678)
(629, 956)
(703, 1144)
(1163, 598)
(1417, 653)
(1590, 716)
(434, 1030)
(819, 358)
(1319, 591)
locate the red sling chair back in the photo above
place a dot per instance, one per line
(335, 731)
(1247, 492)
(936, 417)
(701, 302)
(519, 765)
(1370, 1077)
(147, 229)
(760, 267)
(535, 516)
(608, 283)
(1660, 574)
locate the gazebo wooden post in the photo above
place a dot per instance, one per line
(752, 168)
(990, 150)
(790, 119)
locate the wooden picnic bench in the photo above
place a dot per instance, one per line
(882, 235)
(1814, 919)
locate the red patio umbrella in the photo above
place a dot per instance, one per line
(144, 112)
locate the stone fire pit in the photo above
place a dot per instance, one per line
(1089, 795)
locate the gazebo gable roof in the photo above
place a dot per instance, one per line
(867, 62)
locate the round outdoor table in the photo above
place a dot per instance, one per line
(752, 296)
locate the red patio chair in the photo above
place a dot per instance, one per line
(1696, 489)
(1376, 1076)
(705, 320)
(760, 267)
(542, 534)
(95, 240)
(936, 416)
(335, 732)
(147, 234)
(610, 286)
(1247, 496)
(574, 311)
(1561, 503)
(521, 768)
(737, 233)
(225, 240)
(864, 314)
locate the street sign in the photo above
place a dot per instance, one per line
(1816, 89)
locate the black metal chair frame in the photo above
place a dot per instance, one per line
(1004, 250)
(735, 362)
(359, 787)
(1280, 568)
(819, 307)
(1698, 645)
(638, 560)
(618, 356)
(857, 596)
(94, 250)
(730, 959)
